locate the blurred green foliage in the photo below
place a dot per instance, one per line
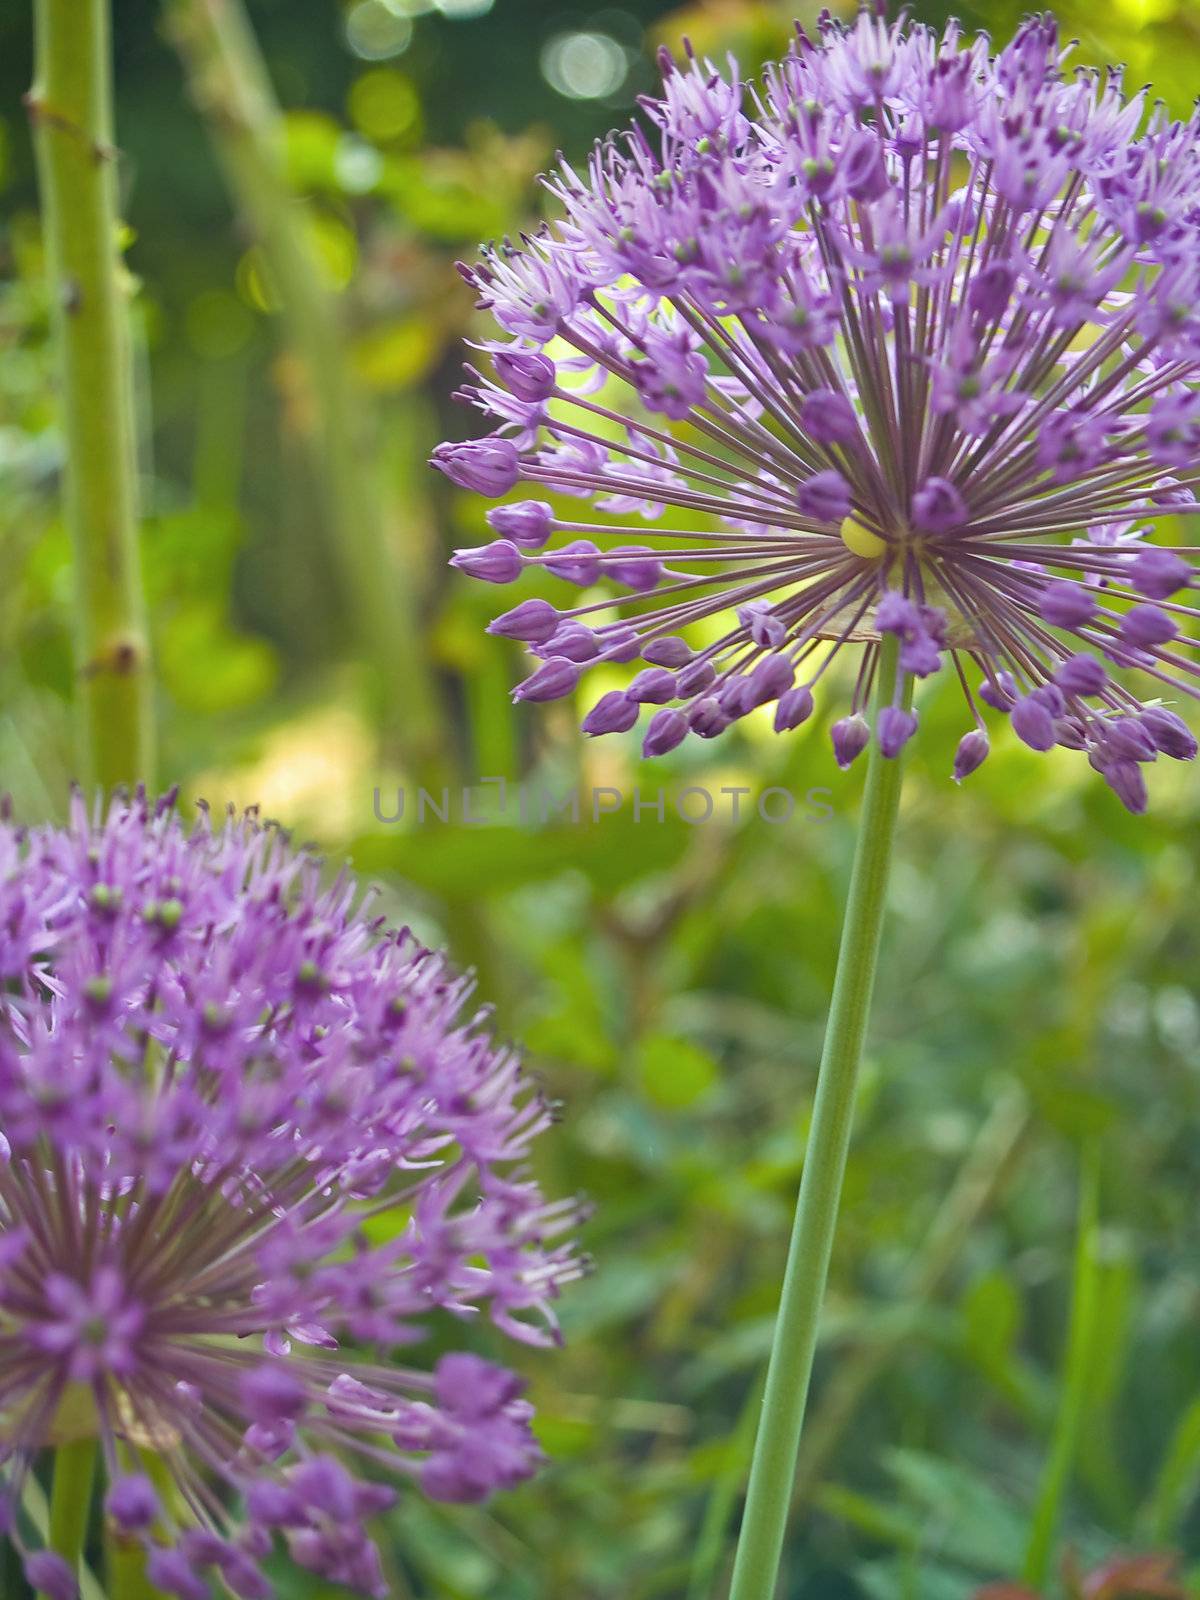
(668, 979)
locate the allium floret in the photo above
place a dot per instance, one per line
(905, 320)
(254, 1141)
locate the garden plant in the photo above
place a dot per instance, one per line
(840, 421)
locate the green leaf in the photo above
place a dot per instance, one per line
(464, 862)
(207, 668)
(992, 1314)
(674, 1073)
(311, 140)
(397, 354)
(1178, 1478)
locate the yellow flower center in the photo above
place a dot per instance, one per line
(861, 541)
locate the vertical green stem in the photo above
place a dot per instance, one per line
(230, 85)
(125, 1557)
(1081, 1347)
(70, 107)
(71, 1499)
(125, 1570)
(772, 1470)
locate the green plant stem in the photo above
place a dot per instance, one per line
(70, 108)
(1081, 1348)
(125, 1569)
(772, 1470)
(231, 87)
(71, 1499)
(36, 1507)
(125, 1557)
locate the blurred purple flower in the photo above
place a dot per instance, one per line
(245, 1120)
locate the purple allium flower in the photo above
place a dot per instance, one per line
(825, 497)
(487, 466)
(525, 522)
(529, 376)
(533, 620)
(795, 706)
(247, 1124)
(50, 1575)
(666, 730)
(903, 319)
(850, 738)
(498, 562)
(972, 752)
(896, 728)
(572, 640)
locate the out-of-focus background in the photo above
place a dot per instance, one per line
(297, 346)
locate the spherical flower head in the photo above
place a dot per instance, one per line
(907, 319)
(255, 1142)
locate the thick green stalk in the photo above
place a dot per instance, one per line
(71, 1499)
(1077, 1374)
(125, 1569)
(230, 85)
(70, 107)
(773, 1468)
(37, 1508)
(125, 1557)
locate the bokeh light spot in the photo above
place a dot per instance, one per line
(375, 31)
(1142, 13)
(584, 66)
(358, 165)
(464, 10)
(217, 324)
(336, 247)
(383, 104)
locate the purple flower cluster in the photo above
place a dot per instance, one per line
(244, 1122)
(903, 340)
